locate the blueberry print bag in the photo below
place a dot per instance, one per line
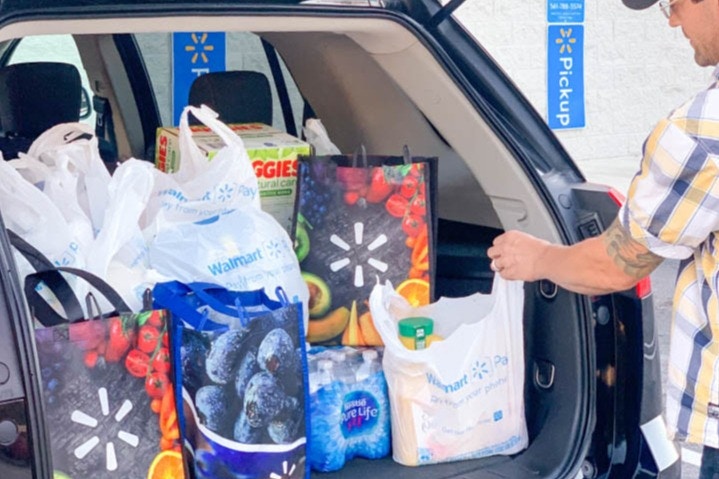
(242, 369)
(106, 383)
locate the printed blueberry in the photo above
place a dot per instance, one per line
(264, 399)
(224, 356)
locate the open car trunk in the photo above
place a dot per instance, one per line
(381, 82)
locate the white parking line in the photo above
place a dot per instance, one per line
(691, 457)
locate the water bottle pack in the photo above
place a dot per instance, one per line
(349, 406)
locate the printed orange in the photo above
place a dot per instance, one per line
(167, 465)
(415, 291)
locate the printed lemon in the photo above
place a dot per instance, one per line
(414, 290)
(167, 465)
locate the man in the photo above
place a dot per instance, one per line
(672, 211)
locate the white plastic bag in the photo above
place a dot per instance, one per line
(317, 136)
(76, 177)
(202, 187)
(206, 223)
(462, 397)
(119, 253)
(29, 213)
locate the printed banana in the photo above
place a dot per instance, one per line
(352, 335)
(328, 327)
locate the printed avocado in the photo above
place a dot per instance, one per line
(302, 243)
(320, 296)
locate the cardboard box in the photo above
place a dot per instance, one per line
(273, 154)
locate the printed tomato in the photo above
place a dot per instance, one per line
(409, 186)
(379, 187)
(418, 205)
(351, 197)
(354, 179)
(122, 335)
(156, 319)
(166, 339)
(412, 225)
(91, 358)
(161, 361)
(156, 384)
(147, 339)
(87, 334)
(137, 363)
(396, 205)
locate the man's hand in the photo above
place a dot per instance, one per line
(516, 256)
(611, 262)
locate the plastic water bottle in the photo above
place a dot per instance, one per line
(343, 370)
(369, 366)
(322, 376)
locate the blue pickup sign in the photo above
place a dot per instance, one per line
(565, 11)
(565, 76)
(193, 54)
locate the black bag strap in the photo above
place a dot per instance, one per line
(47, 316)
(55, 281)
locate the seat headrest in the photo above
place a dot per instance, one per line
(36, 96)
(237, 96)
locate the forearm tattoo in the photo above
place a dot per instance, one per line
(631, 256)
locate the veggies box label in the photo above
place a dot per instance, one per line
(273, 154)
(355, 226)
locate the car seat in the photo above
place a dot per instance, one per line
(33, 98)
(237, 96)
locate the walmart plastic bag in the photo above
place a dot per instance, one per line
(65, 163)
(317, 136)
(35, 218)
(206, 223)
(203, 187)
(462, 397)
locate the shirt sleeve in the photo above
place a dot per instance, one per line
(673, 201)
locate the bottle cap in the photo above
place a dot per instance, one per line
(409, 327)
(324, 364)
(369, 355)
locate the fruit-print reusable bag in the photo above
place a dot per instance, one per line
(358, 219)
(241, 363)
(106, 381)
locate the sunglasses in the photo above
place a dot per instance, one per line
(666, 7)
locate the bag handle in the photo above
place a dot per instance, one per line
(170, 296)
(209, 118)
(54, 280)
(173, 296)
(47, 316)
(222, 300)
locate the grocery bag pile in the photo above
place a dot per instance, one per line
(269, 304)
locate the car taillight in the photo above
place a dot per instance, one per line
(644, 286)
(618, 197)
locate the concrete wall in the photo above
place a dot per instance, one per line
(636, 70)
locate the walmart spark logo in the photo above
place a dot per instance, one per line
(565, 40)
(199, 48)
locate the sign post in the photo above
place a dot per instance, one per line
(193, 54)
(565, 64)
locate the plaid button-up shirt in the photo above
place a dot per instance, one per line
(673, 209)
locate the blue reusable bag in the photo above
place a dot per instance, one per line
(241, 361)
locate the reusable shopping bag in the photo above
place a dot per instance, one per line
(106, 382)
(361, 219)
(242, 370)
(462, 397)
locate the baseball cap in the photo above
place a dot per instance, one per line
(639, 4)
